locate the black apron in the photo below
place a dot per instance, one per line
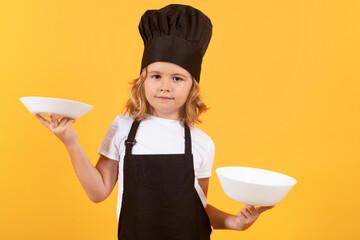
(159, 199)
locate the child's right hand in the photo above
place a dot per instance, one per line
(61, 129)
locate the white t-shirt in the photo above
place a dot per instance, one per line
(158, 136)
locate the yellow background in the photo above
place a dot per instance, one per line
(281, 78)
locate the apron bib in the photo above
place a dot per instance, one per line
(159, 198)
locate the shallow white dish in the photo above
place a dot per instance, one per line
(254, 186)
(60, 107)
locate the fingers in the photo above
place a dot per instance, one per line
(54, 123)
(246, 213)
(42, 120)
(262, 209)
(242, 216)
(250, 210)
(70, 122)
(64, 122)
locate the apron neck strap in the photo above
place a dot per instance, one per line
(130, 141)
(187, 140)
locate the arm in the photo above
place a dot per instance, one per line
(222, 220)
(98, 181)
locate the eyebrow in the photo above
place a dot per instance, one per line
(172, 74)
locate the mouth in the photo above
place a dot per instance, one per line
(164, 98)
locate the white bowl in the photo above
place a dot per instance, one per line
(60, 107)
(254, 186)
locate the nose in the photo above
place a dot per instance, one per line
(165, 85)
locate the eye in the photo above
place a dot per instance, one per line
(155, 76)
(178, 79)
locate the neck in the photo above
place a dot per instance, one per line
(170, 116)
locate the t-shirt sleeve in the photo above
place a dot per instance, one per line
(110, 144)
(208, 161)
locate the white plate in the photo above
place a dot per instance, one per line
(254, 186)
(60, 107)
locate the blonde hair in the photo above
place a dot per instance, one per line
(137, 106)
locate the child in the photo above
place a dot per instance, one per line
(162, 162)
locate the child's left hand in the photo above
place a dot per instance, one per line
(247, 216)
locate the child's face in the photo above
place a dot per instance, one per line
(167, 87)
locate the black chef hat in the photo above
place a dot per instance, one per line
(176, 33)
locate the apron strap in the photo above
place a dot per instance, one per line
(187, 140)
(130, 141)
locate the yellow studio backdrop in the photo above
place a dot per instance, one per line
(281, 78)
